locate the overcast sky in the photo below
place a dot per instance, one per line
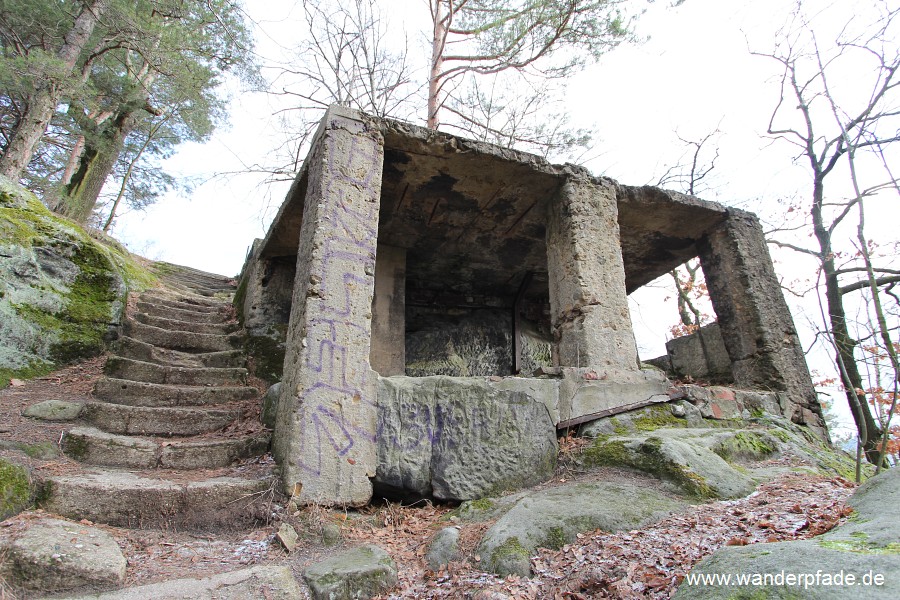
(692, 75)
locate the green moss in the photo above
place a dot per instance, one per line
(746, 445)
(482, 504)
(75, 447)
(859, 545)
(267, 354)
(36, 368)
(556, 538)
(656, 417)
(648, 457)
(510, 549)
(78, 326)
(618, 427)
(15, 489)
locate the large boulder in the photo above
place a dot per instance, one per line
(62, 293)
(52, 554)
(858, 559)
(554, 517)
(460, 438)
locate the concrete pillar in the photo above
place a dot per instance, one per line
(589, 306)
(388, 352)
(325, 424)
(753, 316)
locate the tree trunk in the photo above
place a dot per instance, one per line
(97, 163)
(844, 343)
(437, 63)
(43, 102)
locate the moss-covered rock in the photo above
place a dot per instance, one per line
(15, 489)
(554, 517)
(676, 456)
(359, 573)
(62, 292)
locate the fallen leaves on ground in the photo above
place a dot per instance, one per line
(645, 563)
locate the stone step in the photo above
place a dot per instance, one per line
(148, 372)
(198, 303)
(125, 499)
(95, 447)
(137, 393)
(217, 328)
(129, 347)
(184, 341)
(180, 271)
(165, 422)
(178, 314)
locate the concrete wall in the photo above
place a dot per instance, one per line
(756, 324)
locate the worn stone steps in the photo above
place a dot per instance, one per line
(118, 367)
(185, 302)
(163, 422)
(176, 383)
(129, 347)
(182, 325)
(95, 447)
(126, 499)
(185, 341)
(139, 393)
(178, 314)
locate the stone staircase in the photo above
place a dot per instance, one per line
(171, 438)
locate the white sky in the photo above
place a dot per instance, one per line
(692, 75)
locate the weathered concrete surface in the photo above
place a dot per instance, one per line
(52, 554)
(701, 355)
(865, 548)
(461, 438)
(589, 308)
(553, 517)
(326, 416)
(584, 394)
(54, 410)
(355, 574)
(388, 353)
(257, 583)
(755, 321)
(139, 393)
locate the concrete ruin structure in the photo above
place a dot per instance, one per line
(420, 284)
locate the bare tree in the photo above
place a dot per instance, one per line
(835, 130)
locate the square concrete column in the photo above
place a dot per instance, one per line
(388, 352)
(589, 306)
(325, 425)
(753, 316)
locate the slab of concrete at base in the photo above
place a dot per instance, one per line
(394, 239)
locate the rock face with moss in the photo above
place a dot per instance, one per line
(359, 573)
(866, 548)
(15, 489)
(62, 292)
(553, 518)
